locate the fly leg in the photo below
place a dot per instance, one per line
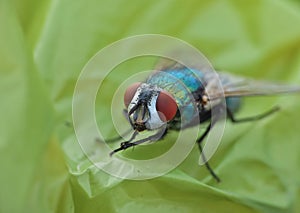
(253, 118)
(202, 153)
(127, 144)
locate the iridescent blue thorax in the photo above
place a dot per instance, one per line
(192, 79)
(181, 84)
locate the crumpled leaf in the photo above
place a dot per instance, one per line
(45, 45)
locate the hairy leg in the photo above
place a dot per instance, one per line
(127, 144)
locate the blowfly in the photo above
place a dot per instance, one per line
(176, 97)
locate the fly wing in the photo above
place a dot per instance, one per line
(235, 86)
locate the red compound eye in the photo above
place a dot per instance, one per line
(129, 93)
(166, 105)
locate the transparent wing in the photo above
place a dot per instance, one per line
(235, 86)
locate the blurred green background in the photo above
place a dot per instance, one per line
(44, 46)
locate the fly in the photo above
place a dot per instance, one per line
(167, 100)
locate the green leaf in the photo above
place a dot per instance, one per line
(44, 45)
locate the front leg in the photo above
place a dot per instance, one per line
(125, 145)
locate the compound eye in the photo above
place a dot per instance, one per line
(166, 105)
(130, 92)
